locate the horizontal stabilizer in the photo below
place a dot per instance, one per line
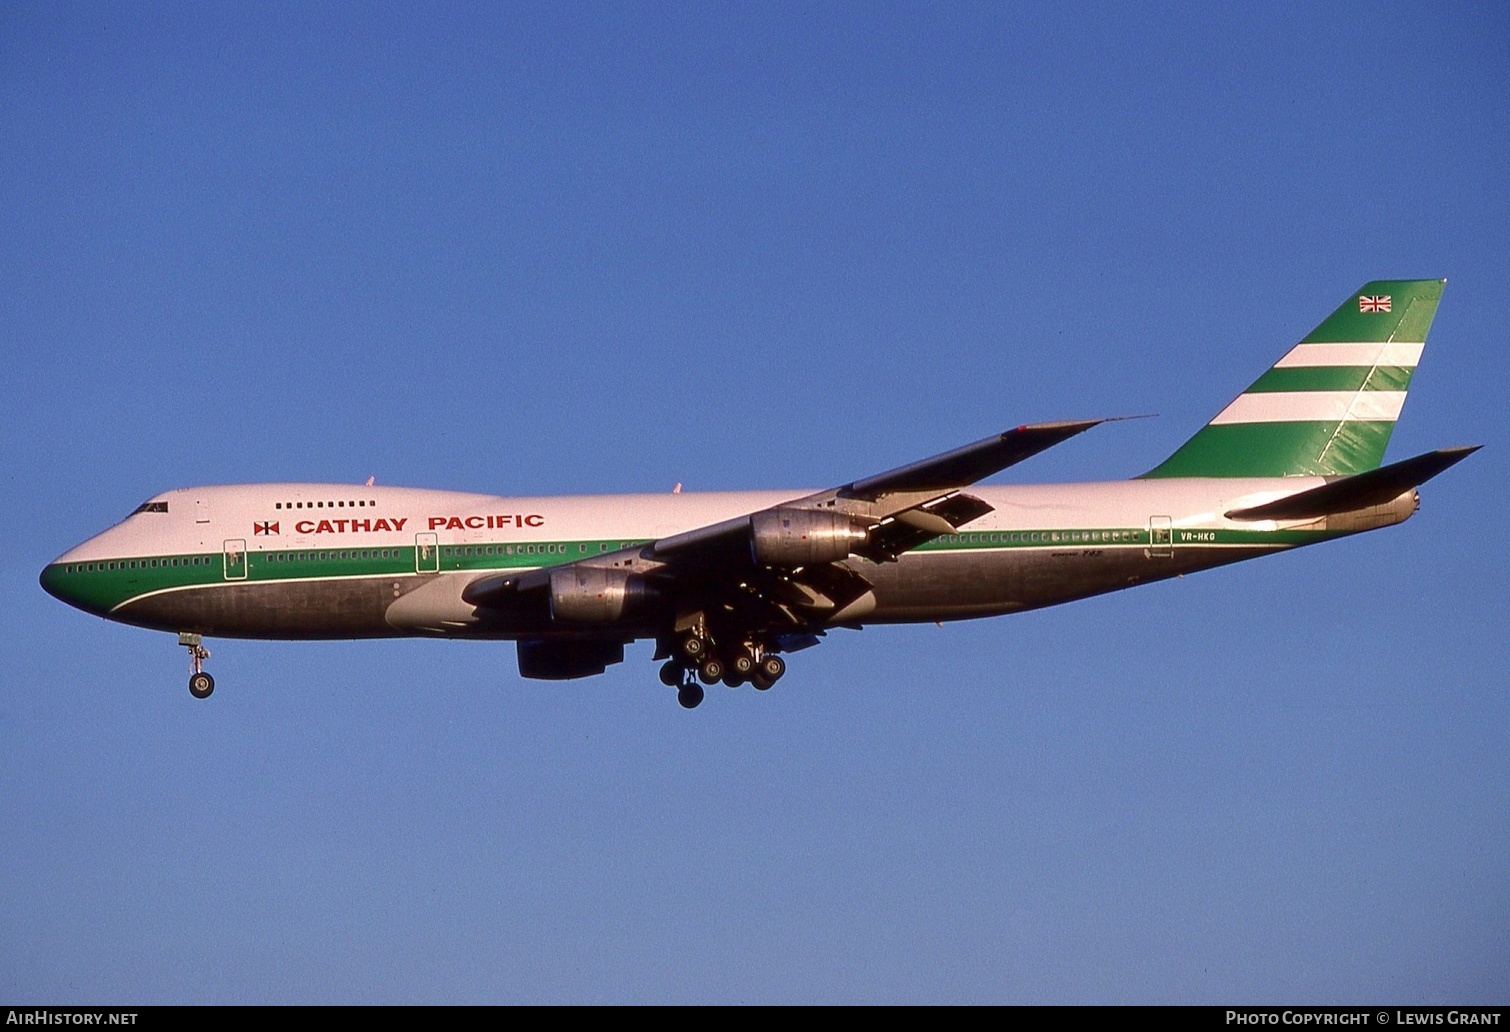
(1376, 487)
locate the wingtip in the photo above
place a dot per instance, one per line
(1073, 426)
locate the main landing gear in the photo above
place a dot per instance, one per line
(698, 660)
(201, 684)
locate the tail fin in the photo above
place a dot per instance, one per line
(1329, 405)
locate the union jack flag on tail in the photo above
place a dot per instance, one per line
(1373, 302)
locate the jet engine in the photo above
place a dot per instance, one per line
(565, 660)
(594, 595)
(802, 537)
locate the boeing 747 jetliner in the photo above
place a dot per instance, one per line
(727, 583)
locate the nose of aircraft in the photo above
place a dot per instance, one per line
(77, 583)
(58, 583)
(51, 581)
(55, 581)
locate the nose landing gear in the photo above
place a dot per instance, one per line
(201, 684)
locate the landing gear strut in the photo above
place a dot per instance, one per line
(201, 684)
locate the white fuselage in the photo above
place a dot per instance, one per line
(313, 560)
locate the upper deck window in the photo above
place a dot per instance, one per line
(151, 507)
(325, 505)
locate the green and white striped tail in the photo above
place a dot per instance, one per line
(1328, 407)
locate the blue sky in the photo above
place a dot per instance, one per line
(582, 248)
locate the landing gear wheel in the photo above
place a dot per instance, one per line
(761, 682)
(671, 674)
(690, 695)
(201, 684)
(733, 680)
(771, 669)
(711, 670)
(694, 647)
(742, 662)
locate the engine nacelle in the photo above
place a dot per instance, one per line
(593, 595)
(802, 537)
(565, 660)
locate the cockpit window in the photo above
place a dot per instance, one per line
(151, 507)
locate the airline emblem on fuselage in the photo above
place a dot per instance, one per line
(264, 527)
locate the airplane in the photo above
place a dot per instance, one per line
(727, 583)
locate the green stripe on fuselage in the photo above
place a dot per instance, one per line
(102, 587)
(1120, 538)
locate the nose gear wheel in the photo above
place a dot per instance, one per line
(201, 684)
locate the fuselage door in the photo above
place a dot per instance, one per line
(201, 511)
(426, 553)
(1160, 537)
(235, 559)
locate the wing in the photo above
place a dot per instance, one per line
(898, 510)
(777, 570)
